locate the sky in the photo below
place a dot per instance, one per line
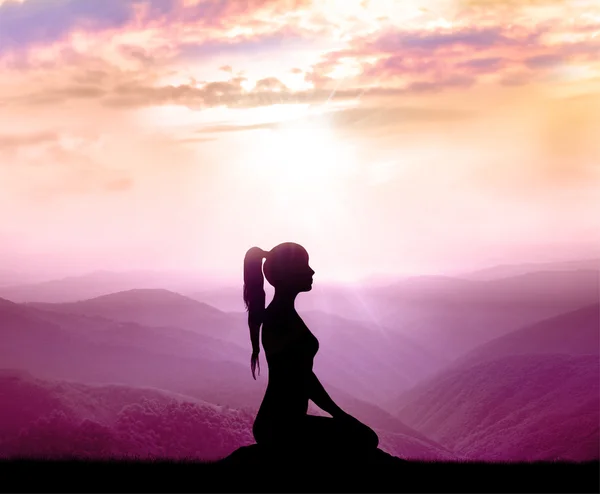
(384, 136)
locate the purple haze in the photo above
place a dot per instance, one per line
(498, 365)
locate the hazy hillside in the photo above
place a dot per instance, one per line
(96, 350)
(450, 318)
(58, 418)
(363, 359)
(508, 270)
(367, 360)
(445, 316)
(81, 287)
(168, 339)
(539, 288)
(347, 301)
(488, 404)
(394, 435)
(150, 307)
(98, 283)
(524, 407)
(55, 350)
(573, 333)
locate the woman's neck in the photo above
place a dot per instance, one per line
(284, 300)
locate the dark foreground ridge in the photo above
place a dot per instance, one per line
(251, 469)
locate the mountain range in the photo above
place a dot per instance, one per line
(499, 368)
(530, 395)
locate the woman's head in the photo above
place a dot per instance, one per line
(286, 268)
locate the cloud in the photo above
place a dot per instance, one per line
(195, 140)
(515, 79)
(458, 81)
(231, 94)
(511, 3)
(14, 142)
(485, 64)
(543, 61)
(29, 23)
(359, 119)
(270, 84)
(392, 60)
(274, 40)
(471, 37)
(118, 185)
(117, 89)
(428, 56)
(218, 129)
(420, 57)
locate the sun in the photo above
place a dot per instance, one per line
(305, 170)
(300, 158)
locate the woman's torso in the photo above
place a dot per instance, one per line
(290, 348)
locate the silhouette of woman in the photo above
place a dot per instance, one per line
(290, 348)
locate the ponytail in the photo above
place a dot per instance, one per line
(254, 298)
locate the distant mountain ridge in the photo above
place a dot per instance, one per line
(533, 393)
(103, 282)
(65, 346)
(516, 408)
(149, 307)
(226, 296)
(341, 338)
(58, 346)
(579, 287)
(489, 367)
(509, 270)
(451, 319)
(573, 333)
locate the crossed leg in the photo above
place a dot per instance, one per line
(314, 433)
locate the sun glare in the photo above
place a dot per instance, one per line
(304, 170)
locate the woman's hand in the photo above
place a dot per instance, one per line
(254, 364)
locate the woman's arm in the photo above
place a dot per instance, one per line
(320, 397)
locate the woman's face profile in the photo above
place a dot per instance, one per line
(305, 277)
(293, 270)
(299, 273)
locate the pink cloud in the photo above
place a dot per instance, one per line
(118, 52)
(29, 23)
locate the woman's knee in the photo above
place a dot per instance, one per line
(358, 434)
(260, 433)
(371, 438)
(365, 436)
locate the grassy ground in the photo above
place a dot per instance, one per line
(297, 476)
